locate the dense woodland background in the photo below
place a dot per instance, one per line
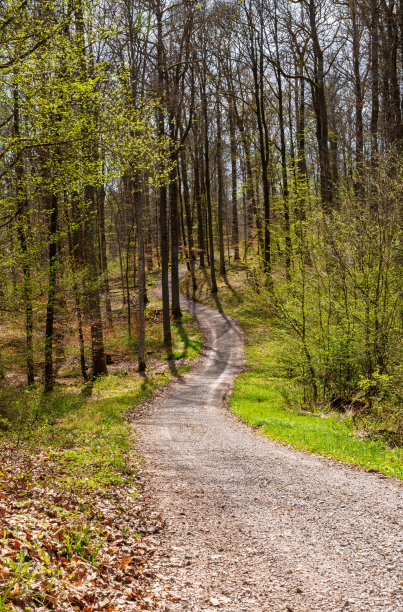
(264, 136)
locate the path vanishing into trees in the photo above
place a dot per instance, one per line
(253, 525)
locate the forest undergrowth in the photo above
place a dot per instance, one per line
(75, 533)
(271, 393)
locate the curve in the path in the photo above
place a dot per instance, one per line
(253, 525)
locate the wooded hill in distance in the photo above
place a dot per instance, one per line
(148, 134)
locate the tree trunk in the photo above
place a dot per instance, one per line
(50, 308)
(285, 190)
(183, 242)
(92, 278)
(220, 190)
(103, 254)
(251, 196)
(173, 200)
(257, 66)
(235, 225)
(197, 195)
(138, 205)
(320, 107)
(20, 225)
(189, 221)
(77, 298)
(374, 34)
(301, 166)
(359, 137)
(214, 288)
(164, 243)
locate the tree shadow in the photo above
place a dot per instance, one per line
(230, 287)
(184, 337)
(206, 281)
(173, 369)
(87, 389)
(218, 303)
(146, 381)
(192, 309)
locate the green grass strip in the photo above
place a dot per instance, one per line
(260, 403)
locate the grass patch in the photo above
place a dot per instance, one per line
(260, 402)
(85, 426)
(101, 454)
(83, 543)
(267, 395)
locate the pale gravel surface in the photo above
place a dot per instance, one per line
(253, 525)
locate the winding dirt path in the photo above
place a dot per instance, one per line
(253, 525)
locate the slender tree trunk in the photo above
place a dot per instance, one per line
(158, 237)
(50, 308)
(189, 221)
(320, 107)
(122, 274)
(207, 235)
(395, 73)
(197, 194)
(20, 225)
(164, 250)
(135, 260)
(92, 276)
(251, 196)
(220, 190)
(334, 161)
(234, 186)
(374, 34)
(183, 243)
(302, 173)
(77, 297)
(164, 243)
(13, 269)
(359, 137)
(127, 282)
(256, 56)
(103, 254)
(214, 288)
(92, 288)
(27, 297)
(286, 193)
(173, 200)
(245, 218)
(138, 205)
(150, 237)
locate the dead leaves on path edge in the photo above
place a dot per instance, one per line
(62, 549)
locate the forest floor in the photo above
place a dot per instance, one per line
(250, 524)
(76, 529)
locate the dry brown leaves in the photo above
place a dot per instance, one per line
(62, 550)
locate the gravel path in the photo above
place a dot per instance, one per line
(253, 525)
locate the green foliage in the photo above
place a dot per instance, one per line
(343, 302)
(70, 123)
(20, 580)
(83, 542)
